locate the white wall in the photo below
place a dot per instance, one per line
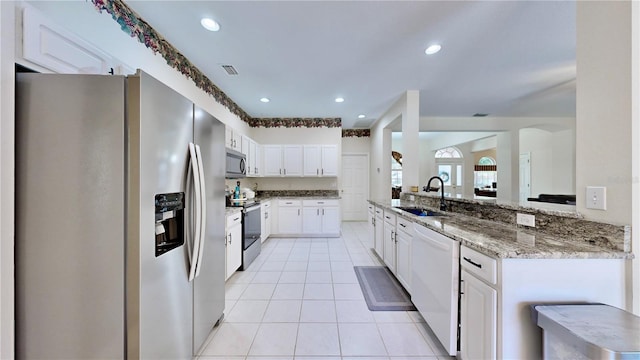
(603, 107)
(295, 136)
(360, 145)
(539, 144)
(564, 162)
(552, 160)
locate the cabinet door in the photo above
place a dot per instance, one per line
(272, 160)
(292, 160)
(372, 228)
(255, 155)
(289, 220)
(312, 161)
(478, 308)
(403, 259)
(234, 249)
(329, 155)
(263, 223)
(379, 238)
(228, 137)
(49, 45)
(245, 145)
(311, 220)
(268, 223)
(390, 246)
(330, 220)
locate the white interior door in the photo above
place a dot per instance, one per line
(525, 176)
(355, 187)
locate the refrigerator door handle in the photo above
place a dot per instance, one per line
(203, 212)
(193, 258)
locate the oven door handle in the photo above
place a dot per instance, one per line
(194, 170)
(203, 207)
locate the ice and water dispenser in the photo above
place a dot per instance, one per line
(169, 222)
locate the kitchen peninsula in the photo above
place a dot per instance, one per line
(505, 267)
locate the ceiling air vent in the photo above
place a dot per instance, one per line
(230, 69)
(479, 115)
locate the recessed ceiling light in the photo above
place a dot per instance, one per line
(339, 100)
(210, 24)
(361, 116)
(432, 49)
(265, 100)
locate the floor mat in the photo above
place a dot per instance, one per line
(381, 290)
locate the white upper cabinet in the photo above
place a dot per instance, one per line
(49, 45)
(232, 139)
(329, 157)
(312, 162)
(292, 160)
(282, 160)
(299, 160)
(253, 158)
(320, 160)
(272, 160)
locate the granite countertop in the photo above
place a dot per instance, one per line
(267, 198)
(503, 241)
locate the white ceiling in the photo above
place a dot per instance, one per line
(502, 58)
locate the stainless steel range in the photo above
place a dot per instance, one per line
(251, 225)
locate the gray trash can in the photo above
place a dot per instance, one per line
(588, 331)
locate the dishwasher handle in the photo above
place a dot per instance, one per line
(479, 266)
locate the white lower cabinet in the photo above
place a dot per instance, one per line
(404, 237)
(496, 294)
(233, 244)
(289, 217)
(389, 256)
(265, 224)
(308, 218)
(478, 314)
(379, 232)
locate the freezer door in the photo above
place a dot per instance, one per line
(159, 294)
(70, 216)
(208, 289)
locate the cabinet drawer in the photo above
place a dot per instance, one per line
(234, 219)
(372, 208)
(479, 264)
(390, 217)
(285, 203)
(266, 205)
(404, 225)
(320, 203)
(379, 213)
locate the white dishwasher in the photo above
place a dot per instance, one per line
(435, 283)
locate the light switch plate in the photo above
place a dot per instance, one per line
(526, 220)
(596, 197)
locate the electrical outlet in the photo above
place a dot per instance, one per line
(596, 197)
(412, 198)
(526, 220)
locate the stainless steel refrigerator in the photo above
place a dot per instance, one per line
(119, 219)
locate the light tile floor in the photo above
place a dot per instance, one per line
(301, 300)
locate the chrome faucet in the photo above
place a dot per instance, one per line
(443, 205)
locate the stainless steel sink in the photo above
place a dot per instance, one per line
(420, 211)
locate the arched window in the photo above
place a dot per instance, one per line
(485, 160)
(449, 152)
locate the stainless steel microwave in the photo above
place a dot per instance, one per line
(236, 165)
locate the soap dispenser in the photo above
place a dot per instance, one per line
(236, 193)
